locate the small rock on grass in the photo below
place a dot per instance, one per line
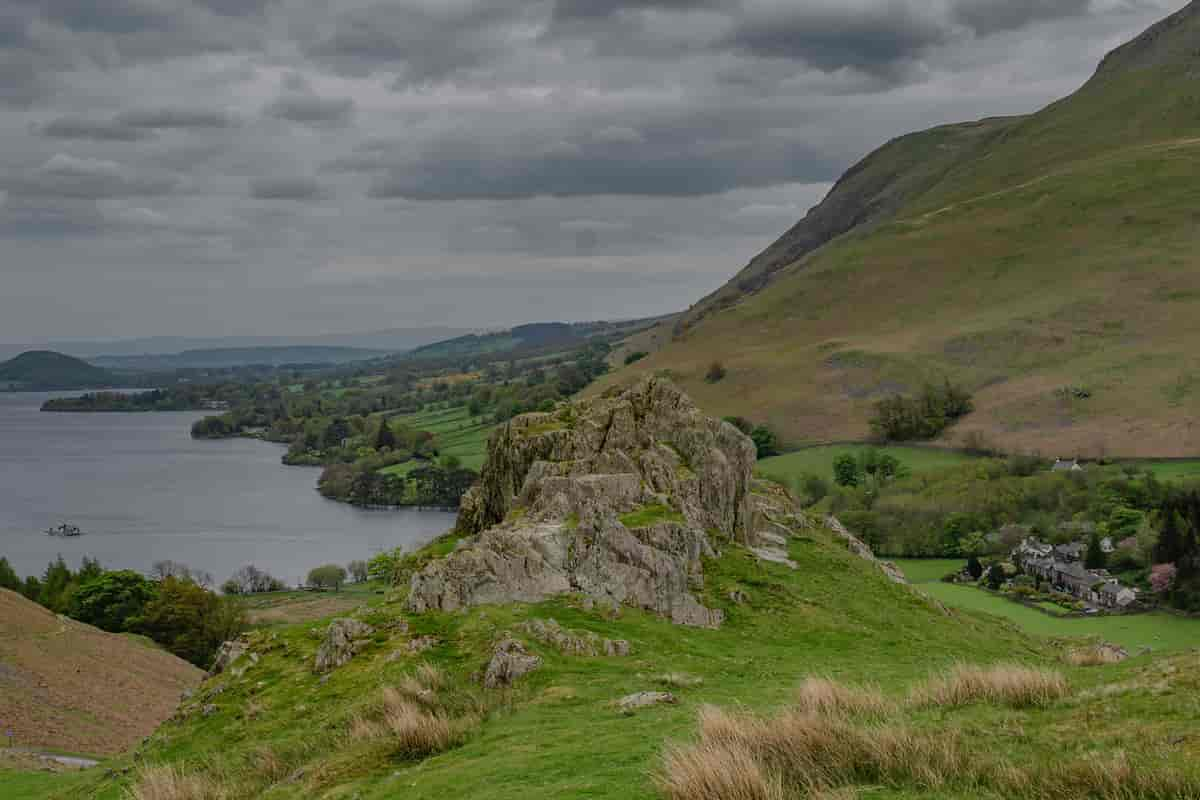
(631, 703)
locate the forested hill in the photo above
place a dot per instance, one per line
(47, 370)
(1046, 263)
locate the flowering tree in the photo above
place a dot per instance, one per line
(1162, 577)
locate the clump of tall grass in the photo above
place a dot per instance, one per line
(1094, 656)
(415, 732)
(824, 696)
(169, 782)
(1010, 685)
(716, 771)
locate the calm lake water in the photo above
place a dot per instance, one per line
(143, 491)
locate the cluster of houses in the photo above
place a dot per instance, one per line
(1062, 567)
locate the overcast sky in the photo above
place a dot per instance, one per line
(238, 167)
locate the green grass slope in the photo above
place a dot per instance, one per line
(277, 730)
(45, 369)
(1022, 257)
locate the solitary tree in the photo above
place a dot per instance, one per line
(845, 470)
(329, 576)
(974, 568)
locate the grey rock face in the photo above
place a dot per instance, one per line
(633, 702)
(574, 643)
(342, 640)
(510, 660)
(228, 653)
(547, 513)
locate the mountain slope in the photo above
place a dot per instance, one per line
(70, 687)
(45, 369)
(1023, 257)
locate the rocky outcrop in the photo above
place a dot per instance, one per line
(573, 643)
(860, 548)
(631, 703)
(510, 660)
(614, 498)
(342, 640)
(229, 652)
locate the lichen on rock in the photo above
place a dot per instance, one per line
(343, 638)
(547, 515)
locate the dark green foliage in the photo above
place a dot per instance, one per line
(56, 586)
(190, 621)
(329, 576)
(901, 418)
(633, 358)
(995, 577)
(112, 600)
(1095, 558)
(974, 568)
(716, 372)
(814, 487)
(212, 428)
(845, 470)
(385, 439)
(766, 443)
(8, 577)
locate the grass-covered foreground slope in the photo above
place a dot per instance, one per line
(1024, 258)
(394, 723)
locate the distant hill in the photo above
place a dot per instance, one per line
(528, 338)
(47, 370)
(237, 357)
(70, 687)
(1047, 262)
(392, 340)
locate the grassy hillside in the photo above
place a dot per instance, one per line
(277, 730)
(68, 687)
(1022, 257)
(44, 370)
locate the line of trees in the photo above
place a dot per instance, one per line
(185, 617)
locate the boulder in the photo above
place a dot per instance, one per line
(342, 640)
(227, 653)
(613, 498)
(510, 660)
(633, 702)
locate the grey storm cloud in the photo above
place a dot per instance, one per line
(285, 188)
(312, 109)
(96, 129)
(337, 165)
(175, 118)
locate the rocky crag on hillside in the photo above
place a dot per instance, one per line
(618, 498)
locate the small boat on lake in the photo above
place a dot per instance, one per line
(65, 530)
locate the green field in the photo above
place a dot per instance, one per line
(819, 460)
(1173, 470)
(1158, 631)
(457, 433)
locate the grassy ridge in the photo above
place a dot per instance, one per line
(1058, 255)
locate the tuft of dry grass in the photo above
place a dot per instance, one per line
(715, 771)
(1010, 685)
(1094, 656)
(417, 733)
(168, 782)
(824, 696)
(268, 765)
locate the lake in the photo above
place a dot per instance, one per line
(143, 490)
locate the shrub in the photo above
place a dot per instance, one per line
(900, 418)
(190, 621)
(1162, 577)
(741, 423)
(1010, 685)
(329, 576)
(766, 443)
(633, 358)
(716, 372)
(113, 600)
